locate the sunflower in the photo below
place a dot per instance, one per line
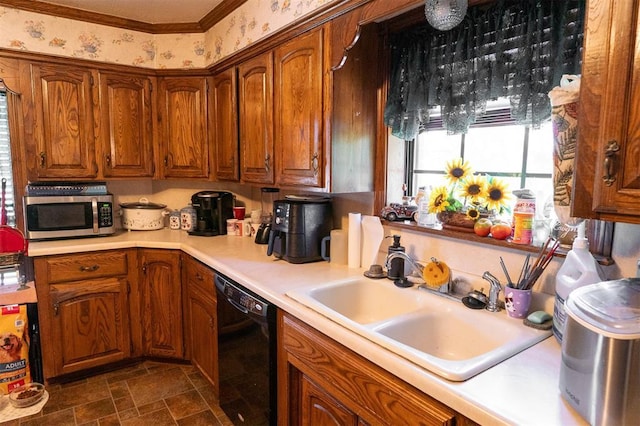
(474, 188)
(497, 194)
(473, 213)
(438, 200)
(457, 170)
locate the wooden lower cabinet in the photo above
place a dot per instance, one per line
(83, 308)
(161, 303)
(318, 407)
(321, 382)
(201, 325)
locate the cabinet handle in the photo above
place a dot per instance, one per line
(314, 163)
(199, 277)
(609, 162)
(211, 323)
(166, 160)
(107, 159)
(91, 268)
(43, 159)
(56, 308)
(267, 163)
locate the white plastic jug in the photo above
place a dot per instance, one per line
(580, 268)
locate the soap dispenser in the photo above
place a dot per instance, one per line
(396, 268)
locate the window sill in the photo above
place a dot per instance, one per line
(471, 237)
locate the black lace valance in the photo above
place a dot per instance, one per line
(514, 49)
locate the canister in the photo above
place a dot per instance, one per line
(187, 218)
(600, 367)
(174, 219)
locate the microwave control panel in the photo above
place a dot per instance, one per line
(105, 215)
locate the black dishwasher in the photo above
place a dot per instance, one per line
(247, 356)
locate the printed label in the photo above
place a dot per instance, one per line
(559, 317)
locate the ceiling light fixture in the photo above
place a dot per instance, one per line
(445, 14)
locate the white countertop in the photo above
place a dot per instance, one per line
(522, 390)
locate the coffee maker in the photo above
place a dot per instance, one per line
(213, 208)
(299, 225)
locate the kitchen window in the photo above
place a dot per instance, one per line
(480, 92)
(6, 169)
(497, 146)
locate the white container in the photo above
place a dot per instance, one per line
(187, 218)
(578, 270)
(143, 215)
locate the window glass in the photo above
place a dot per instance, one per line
(6, 170)
(495, 149)
(518, 154)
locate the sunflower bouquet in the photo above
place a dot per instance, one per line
(471, 194)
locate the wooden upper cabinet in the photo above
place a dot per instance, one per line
(124, 125)
(183, 127)
(298, 77)
(65, 144)
(224, 128)
(608, 152)
(255, 79)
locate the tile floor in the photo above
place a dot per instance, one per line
(149, 393)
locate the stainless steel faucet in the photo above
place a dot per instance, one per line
(494, 291)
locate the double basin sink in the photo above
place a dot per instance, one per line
(436, 333)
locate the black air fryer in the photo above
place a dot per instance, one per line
(299, 225)
(213, 208)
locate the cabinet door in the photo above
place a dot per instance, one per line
(225, 126)
(63, 111)
(318, 408)
(255, 80)
(298, 111)
(124, 129)
(203, 332)
(183, 127)
(608, 156)
(162, 303)
(90, 323)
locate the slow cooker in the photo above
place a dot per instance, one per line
(143, 215)
(600, 369)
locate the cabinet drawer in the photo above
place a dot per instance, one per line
(200, 276)
(86, 266)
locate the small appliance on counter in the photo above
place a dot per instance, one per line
(299, 225)
(600, 368)
(267, 197)
(213, 208)
(67, 210)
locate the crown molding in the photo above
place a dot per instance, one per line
(212, 18)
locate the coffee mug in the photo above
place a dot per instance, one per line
(256, 216)
(248, 229)
(231, 226)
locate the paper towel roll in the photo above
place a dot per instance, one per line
(372, 236)
(355, 235)
(339, 249)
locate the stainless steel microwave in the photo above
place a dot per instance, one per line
(69, 211)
